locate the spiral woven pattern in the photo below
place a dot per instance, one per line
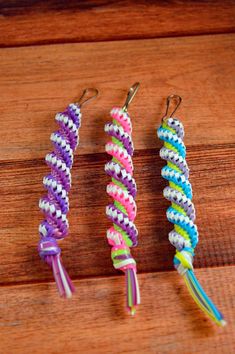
(122, 212)
(181, 213)
(55, 204)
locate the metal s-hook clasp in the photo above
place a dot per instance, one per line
(170, 98)
(87, 95)
(131, 94)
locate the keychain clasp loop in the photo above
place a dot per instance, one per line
(131, 94)
(170, 98)
(89, 97)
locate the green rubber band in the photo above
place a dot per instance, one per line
(178, 208)
(175, 186)
(120, 252)
(124, 235)
(119, 184)
(170, 147)
(117, 142)
(116, 122)
(120, 207)
(165, 126)
(173, 167)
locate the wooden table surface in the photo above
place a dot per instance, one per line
(50, 51)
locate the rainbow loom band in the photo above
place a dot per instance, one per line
(55, 205)
(181, 213)
(123, 234)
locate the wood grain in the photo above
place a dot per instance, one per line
(85, 250)
(37, 82)
(94, 321)
(37, 22)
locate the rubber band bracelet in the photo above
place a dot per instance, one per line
(181, 213)
(122, 212)
(55, 205)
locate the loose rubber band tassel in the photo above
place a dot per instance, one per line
(55, 205)
(122, 212)
(181, 213)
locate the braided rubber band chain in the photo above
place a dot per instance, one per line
(122, 212)
(181, 213)
(55, 205)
